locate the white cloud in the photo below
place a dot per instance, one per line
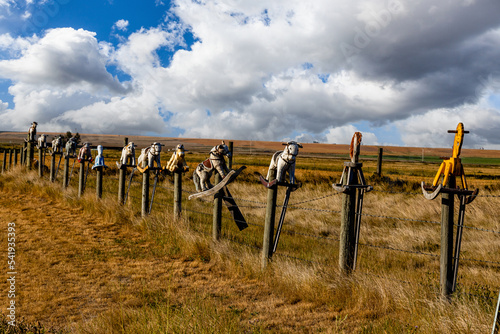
(430, 129)
(62, 58)
(271, 70)
(121, 25)
(343, 135)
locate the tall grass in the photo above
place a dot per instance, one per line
(394, 290)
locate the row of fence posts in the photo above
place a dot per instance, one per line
(348, 240)
(347, 256)
(11, 159)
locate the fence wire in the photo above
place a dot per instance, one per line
(320, 238)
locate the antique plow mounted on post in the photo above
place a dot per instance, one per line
(450, 169)
(353, 186)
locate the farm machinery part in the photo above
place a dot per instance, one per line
(353, 179)
(451, 169)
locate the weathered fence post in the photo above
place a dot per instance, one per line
(10, 159)
(52, 167)
(30, 150)
(121, 185)
(230, 160)
(177, 194)
(23, 154)
(446, 265)
(40, 161)
(217, 214)
(81, 178)
(66, 172)
(379, 161)
(268, 241)
(4, 161)
(15, 157)
(145, 193)
(496, 322)
(98, 182)
(348, 226)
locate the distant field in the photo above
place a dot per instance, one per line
(473, 156)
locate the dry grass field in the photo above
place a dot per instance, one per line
(92, 266)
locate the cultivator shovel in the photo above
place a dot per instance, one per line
(451, 169)
(353, 179)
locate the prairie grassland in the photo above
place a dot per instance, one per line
(92, 266)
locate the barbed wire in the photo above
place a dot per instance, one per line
(483, 261)
(298, 258)
(420, 193)
(315, 199)
(398, 250)
(396, 192)
(310, 235)
(480, 229)
(403, 219)
(494, 196)
(395, 279)
(311, 209)
(246, 200)
(297, 207)
(242, 243)
(199, 212)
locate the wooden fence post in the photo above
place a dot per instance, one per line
(178, 194)
(379, 161)
(23, 149)
(4, 161)
(145, 193)
(66, 172)
(10, 159)
(81, 178)
(268, 241)
(40, 161)
(29, 155)
(217, 213)
(496, 322)
(348, 226)
(98, 182)
(52, 167)
(121, 185)
(15, 157)
(230, 160)
(446, 261)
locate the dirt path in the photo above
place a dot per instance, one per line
(72, 267)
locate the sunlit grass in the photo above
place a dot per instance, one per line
(394, 290)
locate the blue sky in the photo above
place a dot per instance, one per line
(401, 72)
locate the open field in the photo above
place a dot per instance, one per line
(256, 147)
(93, 266)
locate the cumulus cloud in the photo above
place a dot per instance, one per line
(482, 122)
(121, 25)
(62, 71)
(343, 135)
(269, 71)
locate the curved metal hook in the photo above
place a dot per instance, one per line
(431, 196)
(340, 188)
(472, 197)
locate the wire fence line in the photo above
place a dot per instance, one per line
(325, 238)
(398, 250)
(320, 238)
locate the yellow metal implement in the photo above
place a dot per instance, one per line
(453, 165)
